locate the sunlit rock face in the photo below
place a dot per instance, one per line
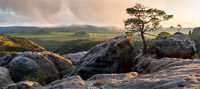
(114, 56)
(27, 65)
(176, 46)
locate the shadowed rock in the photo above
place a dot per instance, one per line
(74, 57)
(114, 56)
(176, 46)
(28, 64)
(5, 78)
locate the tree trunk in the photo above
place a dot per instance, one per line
(144, 43)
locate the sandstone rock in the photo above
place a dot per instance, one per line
(73, 82)
(23, 66)
(30, 64)
(114, 56)
(62, 65)
(6, 59)
(74, 57)
(195, 32)
(177, 46)
(5, 78)
(151, 65)
(172, 74)
(24, 85)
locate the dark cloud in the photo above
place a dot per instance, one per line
(69, 11)
(99, 12)
(36, 10)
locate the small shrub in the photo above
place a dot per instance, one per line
(41, 77)
(99, 83)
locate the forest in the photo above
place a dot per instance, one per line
(16, 44)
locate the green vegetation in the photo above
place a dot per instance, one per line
(41, 77)
(61, 36)
(40, 32)
(49, 45)
(144, 19)
(75, 46)
(81, 34)
(163, 35)
(16, 44)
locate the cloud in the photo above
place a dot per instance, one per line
(34, 10)
(98, 12)
(69, 11)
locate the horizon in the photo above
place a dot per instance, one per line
(51, 13)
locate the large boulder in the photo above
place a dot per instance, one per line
(114, 56)
(43, 67)
(195, 32)
(74, 57)
(5, 78)
(149, 63)
(176, 46)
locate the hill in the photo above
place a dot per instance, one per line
(72, 28)
(75, 46)
(88, 28)
(81, 34)
(43, 31)
(17, 29)
(38, 32)
(16, 44)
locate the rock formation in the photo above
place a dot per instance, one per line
(176, 74)
(195, 32)
(24, 85)
(176, 46)
(5, 78)
(106, 62)
(74, 57)
(31, 65)
(114, 56)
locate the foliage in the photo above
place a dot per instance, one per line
(61, 36)
(171, 27)
(75, 46)
(41, 77)
(138, 45)
(16, 44)
(144, 19)
(40, 32)
(81, 34)
(49, 45)
(179, 27)
(163, 35)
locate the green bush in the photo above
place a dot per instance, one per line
(163, 35)
(41, 77)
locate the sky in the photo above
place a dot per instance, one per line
(92, 12)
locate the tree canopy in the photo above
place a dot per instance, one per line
(144, 19)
